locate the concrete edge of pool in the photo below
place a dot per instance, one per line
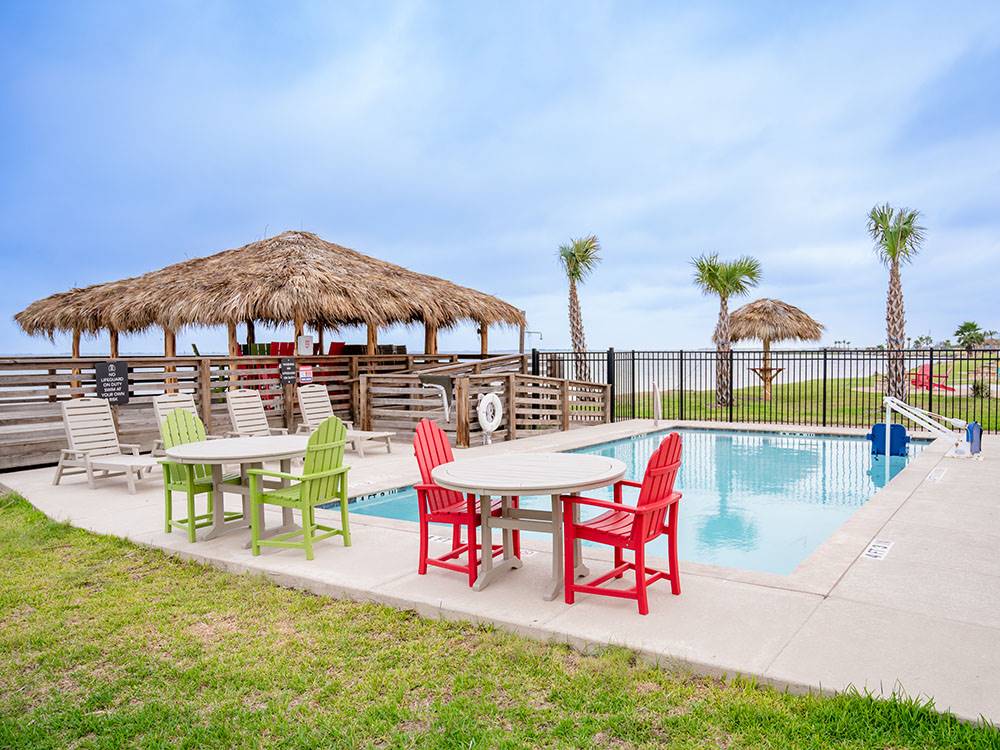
(924, 620)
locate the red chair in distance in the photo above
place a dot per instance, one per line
(439, 505)
(630, 528)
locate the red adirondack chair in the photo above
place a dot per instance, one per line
(630, 528)
(439, 505)
(924, 377)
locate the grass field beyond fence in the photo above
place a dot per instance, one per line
(104, 644)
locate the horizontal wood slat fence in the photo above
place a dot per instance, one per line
(531, 404)
(32, 388)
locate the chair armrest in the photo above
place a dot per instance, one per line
(673, 498)
(426, 487)
(277, 474)
(629, 483)
(132, 448)
(327, 473)
(231, 434)
(73, 452)
(303, 429)
(279, 430)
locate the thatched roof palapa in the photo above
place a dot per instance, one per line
(773, 320)
(294, 277)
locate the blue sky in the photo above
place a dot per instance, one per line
(469, 140)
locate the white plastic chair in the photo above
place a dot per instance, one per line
(246, 413)
(94, 447)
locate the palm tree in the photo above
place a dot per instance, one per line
(897, 237)
(726, 279)
(578, 259)
(969, 335)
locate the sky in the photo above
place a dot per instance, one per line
(470, 140)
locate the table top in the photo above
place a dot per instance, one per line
(529, 473)
(240, 450)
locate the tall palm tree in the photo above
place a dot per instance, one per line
(969, 335)
(579, 258)
(897, 237)
(726, 279)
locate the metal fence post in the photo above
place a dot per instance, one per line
(633, 394)
(730, 399)
(930, 384)
(611, 382)
(535, 362)
(680, 385)
(825, 352)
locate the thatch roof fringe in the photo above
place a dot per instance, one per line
(292, 276)
(773, 320)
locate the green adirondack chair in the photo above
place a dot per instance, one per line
(323, 480)
(179, 428)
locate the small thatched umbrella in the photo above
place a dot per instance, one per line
(772, 320)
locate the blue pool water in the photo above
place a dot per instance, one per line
(756, 501)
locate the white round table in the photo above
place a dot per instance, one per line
(249, 453)
(507, 475)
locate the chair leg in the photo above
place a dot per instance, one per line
(456, 537)
(345, 521)
(168, 509)
(307, 531)
(640, 579)
(59, 472)
(422, 564)
(517, 533)
(90, 476)
(474, 552)
(675, 568)
(569, 561)
(130, 476)
(619, 560)
(192, 531)
(254, 527)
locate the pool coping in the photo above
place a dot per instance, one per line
(817, 573)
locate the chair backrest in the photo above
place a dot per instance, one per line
(431, 447)
(325, 451)
(181, 427)
(246, 412)
(314, 403)
(90, 426)
(167, 402)
(658, 484)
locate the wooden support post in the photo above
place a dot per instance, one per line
(75, 384)
(430, 339)
(372, 339)
(352, 376)
(462, 438)
(205, 392)
(319, 338)
(520, 345)
(113, 343)
(288, 406)
(364, 415)
(234, 342)
(564, 405)
(169, 350)
(511, 406)
(251, 335)
(484, 346)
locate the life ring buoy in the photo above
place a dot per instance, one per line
(490, 412)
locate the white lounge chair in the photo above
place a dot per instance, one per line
(166, 403)
(315, 406)
(246, 412)
(94, 446)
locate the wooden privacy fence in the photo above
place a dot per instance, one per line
(32, 388)
(531, 403)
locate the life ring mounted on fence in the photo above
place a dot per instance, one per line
(490, 412)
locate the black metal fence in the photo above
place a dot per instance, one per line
(823, 387)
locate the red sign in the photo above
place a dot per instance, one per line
(305, 373)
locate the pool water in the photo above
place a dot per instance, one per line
(751, 500)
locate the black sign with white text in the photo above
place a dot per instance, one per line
(112, 380)
(286, 369)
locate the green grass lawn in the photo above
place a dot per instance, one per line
(105, 644)
(849, 403)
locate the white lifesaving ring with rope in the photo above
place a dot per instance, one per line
(490, 413)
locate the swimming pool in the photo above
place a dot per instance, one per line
(752, 500)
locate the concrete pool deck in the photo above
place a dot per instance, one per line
(925, 620)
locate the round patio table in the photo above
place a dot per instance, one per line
(552, 474)
(249, 453)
